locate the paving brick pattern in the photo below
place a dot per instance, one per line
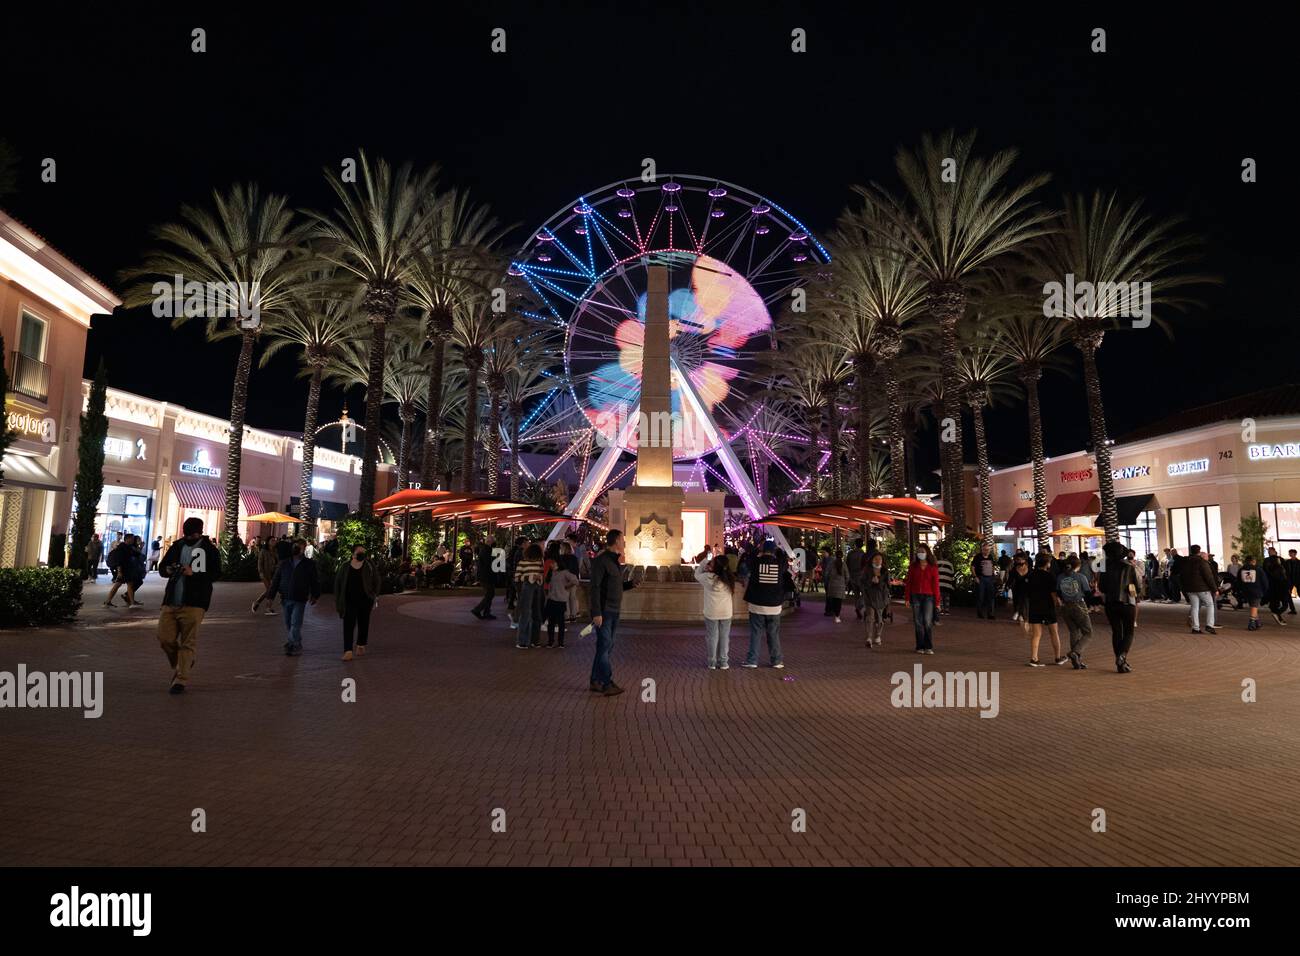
(452, 722)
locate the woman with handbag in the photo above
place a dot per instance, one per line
(356, 591)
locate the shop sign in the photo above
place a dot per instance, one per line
(320, 483)
(123, 448)
(1195, 466)
(1026, 496)
(29, 426)
(201, 465)
(1289, 449)
(1130, 471)
(1082, 474)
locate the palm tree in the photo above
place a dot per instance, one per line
(1102, 241)
(1032, 345)
(958, 219)
(319, 323)
(879, 295)
(475, 328)
(526, 380)
(376, 236)
(811, 371)
(403, 382)
(987, 374)
(451, 270)
(246, 252)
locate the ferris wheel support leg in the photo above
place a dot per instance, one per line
(599, 473)
(740, 479)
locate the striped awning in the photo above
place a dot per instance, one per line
(252, 502)
(201, 494)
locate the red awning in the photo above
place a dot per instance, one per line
(1074, 503)
(251, 501)
(853, 513)
(1022, 519)
(201, 495)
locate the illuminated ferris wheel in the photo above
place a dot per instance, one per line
(733, 255)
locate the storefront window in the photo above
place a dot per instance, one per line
(1200, 525)
(1140, 537)
(1281, 524)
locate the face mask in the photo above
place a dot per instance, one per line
(920, 555)
(359, 556)
(876, 565)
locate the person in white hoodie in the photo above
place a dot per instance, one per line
(718, 581)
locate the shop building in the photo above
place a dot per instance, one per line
(46, 303)
(1186, 480)
(164, 463)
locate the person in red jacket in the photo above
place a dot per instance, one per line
(921, 591)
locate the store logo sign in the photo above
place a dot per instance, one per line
(123, 448)
(1026, 496)
(1194, 467)
(1130, 471)
(201, 465)
(29, 426)
(322, 484)
(1082, 475)
(1290, 449)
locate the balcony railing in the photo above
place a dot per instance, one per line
(30, 377)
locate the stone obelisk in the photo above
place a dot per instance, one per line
(653, 509)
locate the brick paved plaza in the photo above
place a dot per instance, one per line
(452, 722)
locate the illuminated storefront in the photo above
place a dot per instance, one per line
(1188, 480)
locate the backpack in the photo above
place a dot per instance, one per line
(1070, 590)
(113, 560)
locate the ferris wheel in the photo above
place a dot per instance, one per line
(733, 255)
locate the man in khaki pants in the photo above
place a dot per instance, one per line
(190, 565)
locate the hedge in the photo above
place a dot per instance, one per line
(36, 597)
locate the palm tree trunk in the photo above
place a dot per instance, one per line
(1088, 345)
(863, 441)
(897, 453)
(1030, 378)
(814, 453)
(309, 447)
(515, 412)
(494, 444)
(833, 426)
(374, 398)
(947, 302)
(471, 428)
(433, 413)
(407, 414)
(235, 446)
(982, 458)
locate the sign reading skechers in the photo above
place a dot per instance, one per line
(1289, 449)
(201, 465)
(1195, 466)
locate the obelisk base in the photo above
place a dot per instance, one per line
(652, 522)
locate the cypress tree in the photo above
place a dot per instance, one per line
(90, 467)
(6, 435)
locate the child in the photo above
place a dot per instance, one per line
(563, 583)
(876, 595)
(528, 581)
(718, 581)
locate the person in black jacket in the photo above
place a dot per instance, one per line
(1292, 564)
(607, 587)
(1119, 591)
(761, 576)
(487, 577)
(298, 585)
(190, 566)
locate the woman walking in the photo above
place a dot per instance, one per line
(1040, 602)
(267, 564)
(836, 578)
(1119, 591)
(356, 589)
(528, 583)
(718, 581)
(921, 591)
(1019, 596)
(875, 592)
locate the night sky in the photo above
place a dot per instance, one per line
(139, 124)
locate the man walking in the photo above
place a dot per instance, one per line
(266, 568)
(1279, 585)
(856, 563)
(1292, 577)
(298, 585)
(985, 572)
(763, 598)
(487, 576)
(190, 566)
(1072, 590)
(607, 587)
(1198, 583)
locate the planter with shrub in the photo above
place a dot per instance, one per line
(38, 597)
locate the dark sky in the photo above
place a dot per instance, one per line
(139, 124)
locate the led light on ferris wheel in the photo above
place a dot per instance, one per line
(582, 209)
(671, 187)
(625, 214)
(717, 192)
(717, 213)
(798, 237)
(514, 270)
(625, 193)
(670, 207)
(580, 230)
(761, 210)
(545, 237)
(543, 257)
(762, 230)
